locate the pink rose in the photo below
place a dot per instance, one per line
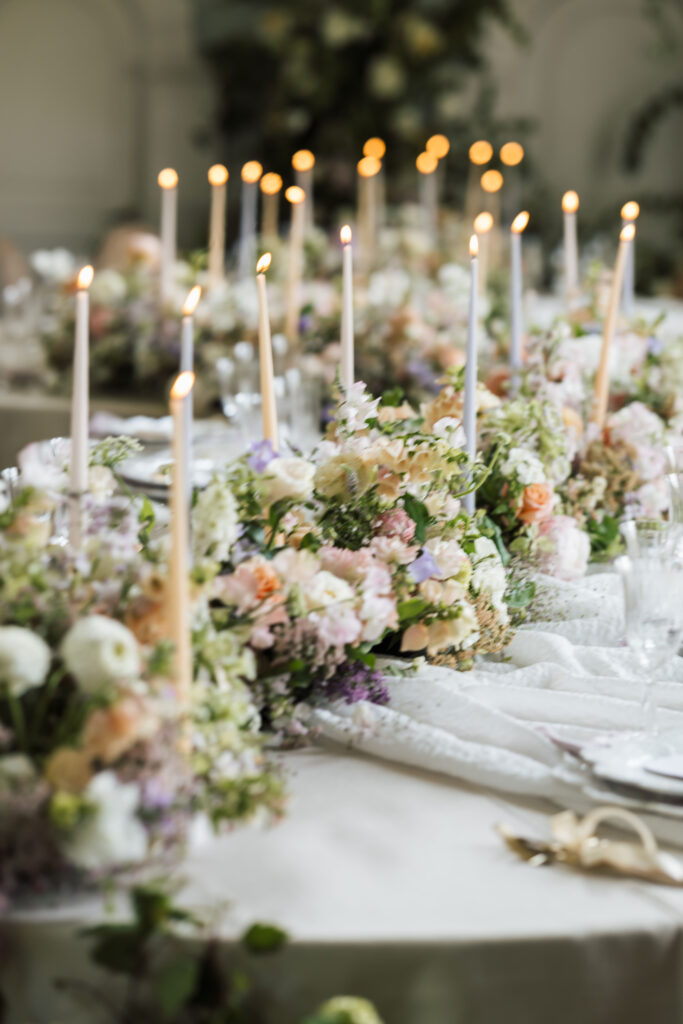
(396, 523)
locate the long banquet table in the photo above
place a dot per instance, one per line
(394, 885)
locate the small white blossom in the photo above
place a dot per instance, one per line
(24, 659)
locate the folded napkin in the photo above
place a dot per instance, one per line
(151, 429)
(493, 726)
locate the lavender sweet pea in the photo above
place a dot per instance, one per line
(424, 567)
(262, 453)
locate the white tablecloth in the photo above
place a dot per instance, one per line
(394, 885)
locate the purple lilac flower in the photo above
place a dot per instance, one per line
(423, 567)
(354, 681)
(422, 373)
(655, 346)
(262, 454)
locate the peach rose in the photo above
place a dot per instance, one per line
(537, 503)
(110, 732)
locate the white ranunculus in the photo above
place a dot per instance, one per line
(112, 834)
(326, 589)
(290, 478)
(99, 652)
(24, 659)
(215, 522)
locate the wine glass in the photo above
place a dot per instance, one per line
(653, 607)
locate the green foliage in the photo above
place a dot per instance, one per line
(264, 938)
(328, 76)
(605, 537)
(417, 511)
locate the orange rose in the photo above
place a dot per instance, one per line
(536, 504)
(110, 732)
(267, 579)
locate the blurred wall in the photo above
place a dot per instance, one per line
(588, 67)
(98, 95)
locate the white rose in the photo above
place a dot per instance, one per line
(24, 659)
(289, 478)
(112, 834)
(448, 555)
(326, 589)
(100, 652)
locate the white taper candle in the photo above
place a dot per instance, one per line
(347, 369)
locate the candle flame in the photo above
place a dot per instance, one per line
(628, 232)
(426, 163)
(168, 178)
(492, 181)
(183, 384)
(438, 146)
(630, 211)
(218, 174)
(368, 167)
(264, 263)
(295, 195)
(84, 279)
(483, 222)
(570, 201)
(345, 235)
(303, 160)
(251, 172)
(520, 222)
(374, 147)
(271, 183)
(481, 152)
(192, 300)
(512, 153)
(474, 246)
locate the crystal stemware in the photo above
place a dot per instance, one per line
(653, 607)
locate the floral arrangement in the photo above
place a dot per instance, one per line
(528, 448)
(94, 771)
(620, 472)
(320, 564)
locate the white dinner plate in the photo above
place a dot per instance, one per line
(628, 761)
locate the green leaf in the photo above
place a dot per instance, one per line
(419, 514)
(392, 397)
(365, 657)
(175, 984)
(411, 608)
(520, 594)
(310, 543)
(264, 938)
(117, 947)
